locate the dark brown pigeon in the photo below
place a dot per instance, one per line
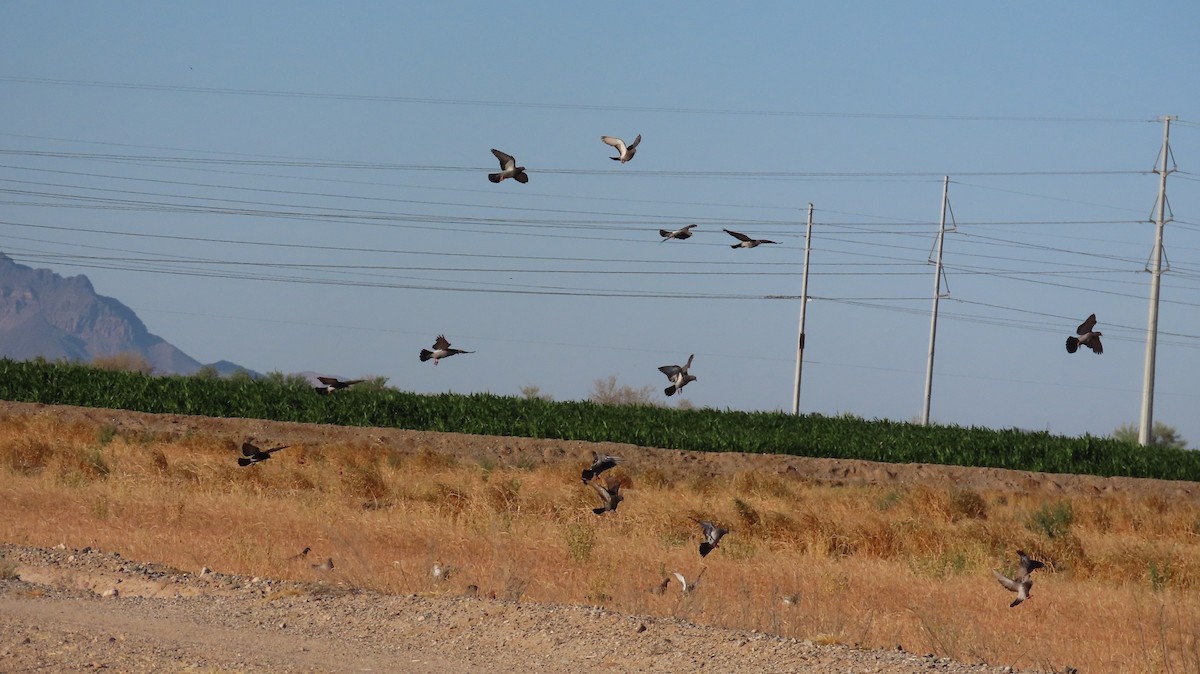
(441, 349)
(1087, 337)
(253, 454)
(681, 233)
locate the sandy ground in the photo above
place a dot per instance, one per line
(80, 610)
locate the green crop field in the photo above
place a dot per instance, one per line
(707, 430)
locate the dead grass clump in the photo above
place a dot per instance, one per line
(504, 495)
(657, 478)
(1052, 520)
(931, 503)
(81, 465)
(364, 481)
(746, 513)
(762, 484)
(967, 504)
(429, 460)
(158, 460)
(28, 455)
(580, 540)
(1065, 554)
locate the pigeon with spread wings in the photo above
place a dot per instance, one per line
(678, 376)
(1087, 337)
(441, 349)
(610, 493)
(712, 536)
(745, 241)
(508, 169)
(600, 463)
(1021, 582)
(624, 152)
(254, 454)
(681, 233)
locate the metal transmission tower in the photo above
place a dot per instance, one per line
(937, 295)
(803, 310)
(1155, 267)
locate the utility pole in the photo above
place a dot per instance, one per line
(937, 295)
(803, 310)
(1155, 267)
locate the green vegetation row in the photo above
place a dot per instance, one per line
(292, 399)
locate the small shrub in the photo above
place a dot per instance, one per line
(967, 503)
(1052, 521)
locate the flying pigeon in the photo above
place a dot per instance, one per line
(600, 463)
(441, 349)
(332, 384)
(683, 584)
(1023, 581)
(678, 376)
(610, 493)
(624, 152)
(252, 454)
(681, 233)
(508, 169)
(712, 536)
(745, 241)
(1087, 337)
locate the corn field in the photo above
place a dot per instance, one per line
(706, 430)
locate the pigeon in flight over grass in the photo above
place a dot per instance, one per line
(712, 536)
(678, 375)
(253, 454)
(745, 241)
(508, 169)
(1022, 581)
(610, 493)
(624, 152)
(300, 555)
(332, 384)
(441, 349)
(1087, 337)
(681, 233)
(600, 463)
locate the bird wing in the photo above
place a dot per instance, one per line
(689, 363)
(1086, 326)
(635, 142)
(604, 493)
(670, 370)
(249, 449)
(506, 160)
(615, 142)
(1007, 582)
(330, 381)
(737, 235)
(1028, 565)
(440, 343)
(1094, 343)
(682, 580)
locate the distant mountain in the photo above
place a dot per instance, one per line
(44, 314)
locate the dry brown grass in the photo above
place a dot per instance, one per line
(859, 564)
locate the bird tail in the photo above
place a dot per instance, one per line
(426, 354)
(494, 177)
(663, 233)
(244, 462)
(1015, 602)
(670, 390)
(599, 511)
(736, 245)
(706, 548)
(1072, 344)
(587, 475)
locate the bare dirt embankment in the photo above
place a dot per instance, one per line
(79, 610)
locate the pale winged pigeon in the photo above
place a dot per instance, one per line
(681, 233)
(610, 493)
(624, 152)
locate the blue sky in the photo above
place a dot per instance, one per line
(302, 187)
